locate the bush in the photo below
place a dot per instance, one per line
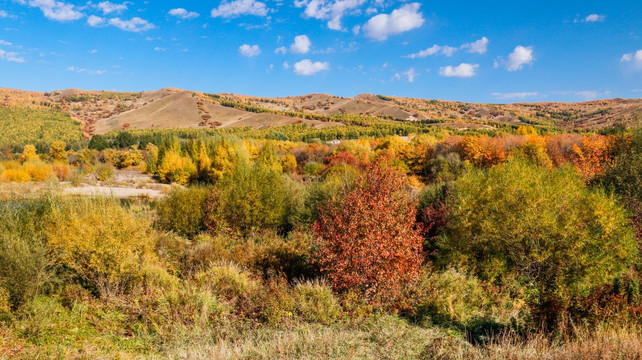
(104, 172)
(38, 170)
(182, 210)
(24, 262)
(176, 169)
(368, 240)
(233, 285)
(290, 257)
(315, 302)
(543, 227)
(15, 175)
(454, 298)
(63, 171)
(251, 199)
(313, 168)
(101, 242)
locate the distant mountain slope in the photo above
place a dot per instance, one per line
(102, 111)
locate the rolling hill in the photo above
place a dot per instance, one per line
(98, 112)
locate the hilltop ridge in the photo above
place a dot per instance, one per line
(102, 111)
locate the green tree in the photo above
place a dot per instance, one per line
(250, 199)
(98, 142)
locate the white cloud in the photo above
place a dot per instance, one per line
(519, 57)
(11, 56)
(183, 14)
(515, 95)
(95, 21)
(461, 71)
(479, 47)
(108, 7)
(404, 19)
(634, 58)
(410, 74)
(281, 50)
(301, 45)
(56, 10)
(595, 18)
(158, 48)
(434, 50)
(307, 67)
(585, 94)
(356, 29)
(83, 70)
(3, 14)
(134, 25)
(332, 10)
(240, 7)
(5, 43)
(286, 65)
(249, 50)
(94, 51)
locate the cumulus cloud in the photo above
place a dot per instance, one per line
(108, 7)
(95, 21)
(183, 14)
(240, 7)
(594, 18)
(332, 10)
(634, 58)
(515, 95)
(301, 45)
(461, 71)
(3, 14)
(307, 67)
(134, 25)
(56, 10)
(479, 47)
(406, 18)
(249, 50)
(520, 57)
(11, 56)
(434, 50)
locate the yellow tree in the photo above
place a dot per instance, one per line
(29, 153)
(58, 152)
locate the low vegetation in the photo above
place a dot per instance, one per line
(438, 245)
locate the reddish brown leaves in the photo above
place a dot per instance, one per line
(369, 242)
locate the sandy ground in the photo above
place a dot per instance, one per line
(124, 184)
(121, 193)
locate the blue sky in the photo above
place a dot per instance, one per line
(477, 51)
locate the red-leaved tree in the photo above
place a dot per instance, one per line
(368, 240)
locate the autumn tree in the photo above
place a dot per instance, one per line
(368, 240)
(58, 152)
(29, 154)
(175, 168)
(289, 164)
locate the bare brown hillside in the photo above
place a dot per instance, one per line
(103, 111)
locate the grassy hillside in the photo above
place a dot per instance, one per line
(19, 126)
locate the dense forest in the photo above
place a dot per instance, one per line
(399, 240)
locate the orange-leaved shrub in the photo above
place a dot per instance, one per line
(369, 242)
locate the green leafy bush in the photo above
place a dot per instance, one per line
(182, 210)
(545, 228)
